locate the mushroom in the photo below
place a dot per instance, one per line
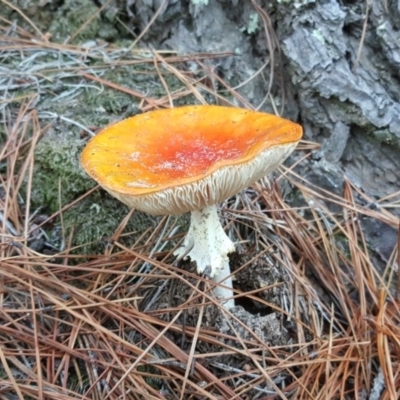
(191, 158)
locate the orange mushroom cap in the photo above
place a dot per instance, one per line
(187, 152)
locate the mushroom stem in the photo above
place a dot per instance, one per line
(225, 292)
(207, 244)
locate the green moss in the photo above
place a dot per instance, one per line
(110, 100)
(33, 9)
(92, 103)
(73, 15)
(58, 178)
(95, 219)
(62, 18)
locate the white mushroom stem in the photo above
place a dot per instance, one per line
(207, 244)
(224, 292)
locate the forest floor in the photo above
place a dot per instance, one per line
(93, 304)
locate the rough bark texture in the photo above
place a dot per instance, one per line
(349, 103)
(343, 86)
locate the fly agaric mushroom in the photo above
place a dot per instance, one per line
(190, 159)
